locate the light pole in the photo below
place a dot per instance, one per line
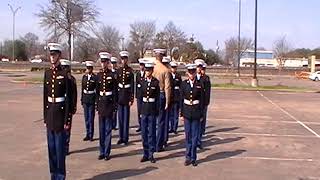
(239, 39)
(14, 12)
(254, 82)
(122, 43)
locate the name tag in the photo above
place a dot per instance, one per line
(153, 87)
(127, 72)
(198, 87)
(91, 80)
(109, 77)
(60, 77)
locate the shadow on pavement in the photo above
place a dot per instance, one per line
(121, 174)
(206, 145)
(221, 155)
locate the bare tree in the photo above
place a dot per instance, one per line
(174, 36)
(109, 38)
(231, 48)
(281, 48)
(67, 17)
(142, 34)
(87, 48)
(33, 46)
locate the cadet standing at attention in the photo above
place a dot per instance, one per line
(88, 99)
(192, 104)
(150, 92)
(66, 65)
(205, 80)
(114, 69)
(162, 74)
(175, 102)
(56, 109)
(125, 97)
(139, 78)
(106, 101)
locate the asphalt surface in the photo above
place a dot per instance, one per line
(250, 135)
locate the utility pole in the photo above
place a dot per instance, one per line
(254, 82)
(14, 12)
(239, 39)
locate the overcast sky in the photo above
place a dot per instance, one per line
(208, 20)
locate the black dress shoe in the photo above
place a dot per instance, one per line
(86, 139)
(152, 160)
(119, 142)
(107, 158)
(91, 139)
(171, 131)
(161, 149)
(175, 132)
(144, 159)
(138, 130)
(101, 157)
(200, 146)
(187, 163)
(194, 163)
(126, 143)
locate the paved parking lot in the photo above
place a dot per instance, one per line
(250, 135)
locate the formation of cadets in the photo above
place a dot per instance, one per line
(161, 95)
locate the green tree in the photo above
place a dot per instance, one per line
(20, 50)
(212, 57)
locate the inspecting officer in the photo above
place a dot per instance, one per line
(163, 75)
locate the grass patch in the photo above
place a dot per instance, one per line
(33, 80)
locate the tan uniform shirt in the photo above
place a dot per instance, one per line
(163, 74)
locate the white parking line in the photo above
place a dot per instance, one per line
(265, 134)
(271, 158)
(291, 116)
(260, 121)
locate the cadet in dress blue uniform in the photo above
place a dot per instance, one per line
(205, 80)
(88, 99)
(106, 93)
(139, 78)
(192, 104)
(114, 69)
(150, 91)
(56, 109)
(73, 101)
(125, 97)
(175, 103)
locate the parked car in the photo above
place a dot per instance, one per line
(36, 61)
(315, 76)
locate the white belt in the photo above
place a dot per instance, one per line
(177, 87)
(144, 99)
(187, 102)
(105, 93)
(139, 85)
(89, 92)
(124, 86)
(56, 100)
